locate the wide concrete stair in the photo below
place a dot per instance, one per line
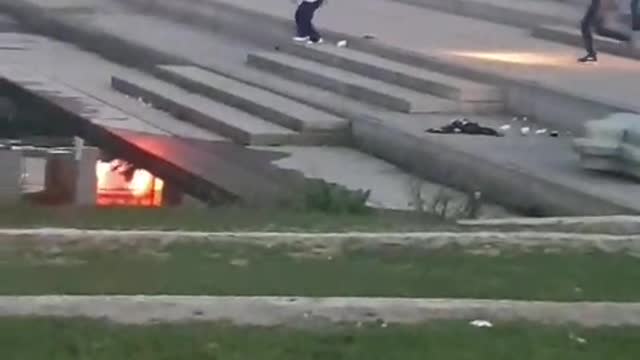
(246, 114)
(378, 82)
(571, 36)
(520, 13)
(258, 102)
(411, 77)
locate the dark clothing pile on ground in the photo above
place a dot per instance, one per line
(464, 126)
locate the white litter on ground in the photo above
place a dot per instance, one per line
(481, 323)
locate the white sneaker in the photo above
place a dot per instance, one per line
(301, 38)
(320, 41)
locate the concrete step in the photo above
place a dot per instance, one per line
(351, 85)
(392, 72)
(520, 13)
(258, 102)
(315, 97)
(241, 127)
(572, 36)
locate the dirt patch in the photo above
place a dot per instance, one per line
(321, 244)
(277, 311)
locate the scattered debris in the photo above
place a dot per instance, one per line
(578, 339)
(541, 131)
(505, 127)
(239, 262)
(481, 323)
(342, 43)
(464, 126)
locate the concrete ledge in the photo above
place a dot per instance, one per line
(571, 36)
(119, 50)
(502, 184)
(495, 13)
(301, 311)
(522, 240)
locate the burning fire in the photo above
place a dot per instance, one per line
(119, 183)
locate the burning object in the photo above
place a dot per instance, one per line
(122, 184)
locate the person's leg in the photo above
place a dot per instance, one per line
(314, 36)
(302, 28)
(588, 21)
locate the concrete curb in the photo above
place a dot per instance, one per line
(434, 240)
(304, 312)
(576, 220)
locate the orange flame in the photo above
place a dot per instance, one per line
(143, 189)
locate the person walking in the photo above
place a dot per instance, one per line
(598, 16)
(305, 31)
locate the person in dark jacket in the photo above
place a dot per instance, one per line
(598, 12)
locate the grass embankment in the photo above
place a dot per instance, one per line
(305, 269)
(45, 339)
(216, 219)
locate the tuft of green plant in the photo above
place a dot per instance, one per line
(324, 197)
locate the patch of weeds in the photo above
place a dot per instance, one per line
(328, 198)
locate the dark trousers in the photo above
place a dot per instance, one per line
(635, 15)
(593, 20)
(304, 20)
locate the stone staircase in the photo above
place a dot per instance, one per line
(243, 113)
(305, 95)
(376, 81)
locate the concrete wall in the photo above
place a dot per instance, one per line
(10, 174)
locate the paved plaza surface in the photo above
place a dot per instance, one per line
(483, 46)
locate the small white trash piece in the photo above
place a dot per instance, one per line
(341, 43)
(525, 130)
(481, 323)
